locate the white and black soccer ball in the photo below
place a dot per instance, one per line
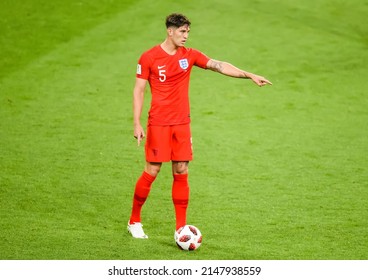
(188, 238)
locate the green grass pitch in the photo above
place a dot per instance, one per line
(280, 172)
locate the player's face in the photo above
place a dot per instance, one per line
(180, 35)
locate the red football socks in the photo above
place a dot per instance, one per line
(180, 197)
(141, 192)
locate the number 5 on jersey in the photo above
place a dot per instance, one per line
(162, 73)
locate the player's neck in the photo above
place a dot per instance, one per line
(169, 47)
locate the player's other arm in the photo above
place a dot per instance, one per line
(138, 98)
(228, 69)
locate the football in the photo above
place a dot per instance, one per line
(188, 238)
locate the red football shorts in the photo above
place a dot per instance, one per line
(169, 143)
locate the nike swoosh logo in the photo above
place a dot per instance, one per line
(160, 67)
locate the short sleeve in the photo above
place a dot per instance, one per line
(201, 59)
(143, 67)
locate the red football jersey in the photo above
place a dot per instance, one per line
(168, 76)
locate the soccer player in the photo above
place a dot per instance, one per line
(166, 67)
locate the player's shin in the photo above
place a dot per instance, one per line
(180, 197)
(141, 192)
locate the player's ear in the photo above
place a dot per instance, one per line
(170, 31)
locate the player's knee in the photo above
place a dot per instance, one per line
(180, 167)
(153, 168)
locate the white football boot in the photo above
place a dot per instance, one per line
(136, 230)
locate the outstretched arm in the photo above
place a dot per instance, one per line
(228, 69)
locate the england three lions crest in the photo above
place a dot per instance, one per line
(184, 63)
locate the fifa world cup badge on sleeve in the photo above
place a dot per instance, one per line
(139, 69)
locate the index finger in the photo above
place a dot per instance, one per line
(264, 82)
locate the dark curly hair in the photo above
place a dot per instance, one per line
(176, 20)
